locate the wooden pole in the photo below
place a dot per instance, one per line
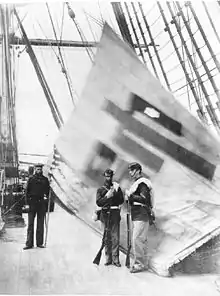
(48, 217)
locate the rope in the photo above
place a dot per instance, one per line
(72, 16)
(62, 22)
(87, 19)
(60, 59)
(211, 22)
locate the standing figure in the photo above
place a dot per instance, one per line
(37, 189)
(109, 197)
(140, 199)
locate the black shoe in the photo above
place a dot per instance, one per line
(27, 247)
(41, 246)
(108, 263)
(118, 264)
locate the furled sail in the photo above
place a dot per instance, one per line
(124, 114)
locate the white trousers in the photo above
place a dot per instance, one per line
(140, 245)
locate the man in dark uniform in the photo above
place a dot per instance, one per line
(109, 197)
(140, 198)
(37, 189)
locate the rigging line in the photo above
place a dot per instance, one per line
(100, 12)
(89, 24)
(197, 79)
(48, 40)
(41, 52)
(96, 20)
(212, 111)
(62, 23)
(135, 34)
(63, 69)
(165, 44)
(193, 57)
(110, 19)
(149, 11)
(154, 45)
(198, 50)
(72, 16)
(204, 36)
(178, 80)
(180, 95)
(51, 102)
(144, 39)
(172, 69)
(55, 34)
(167, 57)
(159, 33)
(155, 21)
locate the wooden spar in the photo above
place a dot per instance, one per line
(52, 104)
(154, 45)
(211, 22)
(144, 39)
(135, 34)
(182, 63)
(204, 36)
(215, 121)
(212, 81)
(7, 85)
(122, 23)
(14, 40)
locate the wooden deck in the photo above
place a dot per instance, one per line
(65, 267)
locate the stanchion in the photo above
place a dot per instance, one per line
(47, 220)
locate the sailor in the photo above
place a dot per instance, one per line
(140, 199)
(109, 197)
(37, 191)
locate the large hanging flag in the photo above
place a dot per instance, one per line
(125, 114)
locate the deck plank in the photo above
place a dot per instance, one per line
(65, 267)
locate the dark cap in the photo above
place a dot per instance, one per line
(39, 165)
(108, 172)
(134, 166)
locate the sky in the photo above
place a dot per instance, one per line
(36, 130)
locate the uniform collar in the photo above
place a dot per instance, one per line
(108, 185)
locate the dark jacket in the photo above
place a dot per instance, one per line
(141, 195)
(102, 201)
(37, 187)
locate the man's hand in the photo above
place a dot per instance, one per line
(126, 195)
(109, 194)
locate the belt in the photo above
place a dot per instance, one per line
(112, 207)
(135, 203)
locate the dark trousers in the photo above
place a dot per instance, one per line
(37, 208)
(113, 234)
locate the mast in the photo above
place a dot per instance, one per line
(182, 63)
(210, 108)
(9, 159)
(122, 23)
